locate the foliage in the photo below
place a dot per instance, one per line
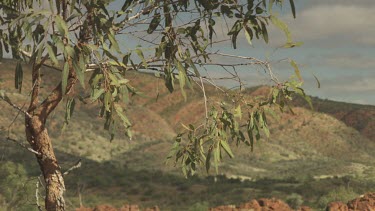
(294, 200)
(341, 193)
(200, 206)
(83, 41)
(15, 187)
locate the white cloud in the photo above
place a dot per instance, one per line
(338, 24)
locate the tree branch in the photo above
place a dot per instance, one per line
(23, 146)
(7, 100)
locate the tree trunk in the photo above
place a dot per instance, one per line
(38, 138)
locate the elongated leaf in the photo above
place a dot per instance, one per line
(79, 72)
(107, 101)
(154, 23)
(226, 148)
(248, 34)
(52, 55)
(281, 25)
(96, 94)
(126, 5)
(182, 77)
(70, 104)
(208, 159)
(293, 7)
(296, 69)
(317, 81)
(217, 158)
(19, 76)
(113, 41)
(120, 113)
(264, 31)
(141, 56)
(64, 80)
(61, 25)
(1, 51)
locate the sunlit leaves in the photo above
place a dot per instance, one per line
(282, 26)
(296, 69)
(69, 109)
(61, 25)
(65, 74)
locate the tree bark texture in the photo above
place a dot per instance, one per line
(37, 136)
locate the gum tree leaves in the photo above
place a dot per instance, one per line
(154, 23)
(173, 41)
(18, 76)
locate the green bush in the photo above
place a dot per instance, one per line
(294, 200)
(200, 206)
(16, 189)
(342, 193)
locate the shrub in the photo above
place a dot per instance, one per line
(294, 200)
(200, 206)
(342, 193)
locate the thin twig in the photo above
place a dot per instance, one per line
(205, 97)
(23, 146)
(37, 195)
(76, 165)
(6, 99)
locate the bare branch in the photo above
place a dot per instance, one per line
(23, 146)
(6, 99)
(76, 166)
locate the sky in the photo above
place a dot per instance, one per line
(339, 48)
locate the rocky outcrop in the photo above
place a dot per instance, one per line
(256, 205)
(363, 203)
(126, 207)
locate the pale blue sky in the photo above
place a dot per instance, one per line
(339, 48)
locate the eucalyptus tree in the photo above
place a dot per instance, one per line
(81, 39)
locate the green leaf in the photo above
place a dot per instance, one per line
(281, 25)
(264, 31)
(236, 28)
(1, 51)
(61, 26)
(248, 34)
(208, 159)
(52, 55)
(293, 7)
(126, 5)
(96, 93)
(238, 112)
(182, 77)
(296, 69)
(107, 101)
(79, 72)
(69, 109)
(19, 76)
(317, 81)
(226, 148)
(142, 57)
(112, 39)
(217, 158)
(154, 23)
(64, 80)
(292, 44)
(120, 113)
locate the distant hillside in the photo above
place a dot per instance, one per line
(360, 117)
